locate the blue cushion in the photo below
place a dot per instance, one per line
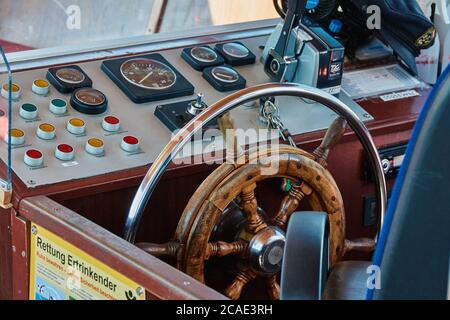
(415, 239)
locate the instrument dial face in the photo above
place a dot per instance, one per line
(90, 97)
(148, 74)
(235, 50)
(204, 54)
(225, 74)
(69, 75)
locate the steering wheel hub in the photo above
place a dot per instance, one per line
(266, 250)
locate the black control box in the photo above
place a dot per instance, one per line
(391, 159)
(176, 115)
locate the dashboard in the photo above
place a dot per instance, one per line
(86, 119)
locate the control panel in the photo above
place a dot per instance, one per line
(82, 120)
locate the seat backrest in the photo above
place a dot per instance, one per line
(414, 246)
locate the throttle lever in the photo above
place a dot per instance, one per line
(276, 62)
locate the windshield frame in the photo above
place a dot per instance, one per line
(97, 50)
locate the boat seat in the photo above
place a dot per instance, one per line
(348, 281)
(411, 260)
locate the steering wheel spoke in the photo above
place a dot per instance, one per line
(250, 208)
(273, 288)
(332, 137)
(221, 249)
(242, 278)
(290, 203)
(168, 249)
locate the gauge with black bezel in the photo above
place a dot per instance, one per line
(147, 78)
(224, 78)
(89, 101)
(201, 57)
(235, 53)
(67, 79)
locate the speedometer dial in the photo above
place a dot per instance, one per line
(148, 74)
(147, 78)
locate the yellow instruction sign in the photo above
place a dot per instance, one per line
(61, 271)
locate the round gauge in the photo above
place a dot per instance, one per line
(225, 74)
(204, 54)
(70, 75)
(89, 101)
(90, 96)
(148, 74)
(235, 50)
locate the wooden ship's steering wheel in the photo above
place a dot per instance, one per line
(226, 200)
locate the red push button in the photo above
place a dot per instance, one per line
(64, 152)
(33, 158)
(130, 144)
(111, 124)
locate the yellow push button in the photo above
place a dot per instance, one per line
(16, 91)
(41, 87)
(95, 146)
(46, 131)
(76, 126)
(17, 137)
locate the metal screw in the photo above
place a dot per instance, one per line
(34, 230)
(366, 115)
(139, 291)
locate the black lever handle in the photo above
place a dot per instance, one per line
(295, 11)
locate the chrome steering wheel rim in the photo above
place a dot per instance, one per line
(227, 104)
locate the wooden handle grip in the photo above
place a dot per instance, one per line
(332, 137)
(169, 249)
(221, 249)
(360, 245)
(242, 278)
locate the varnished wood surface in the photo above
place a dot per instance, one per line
(5, 255)
(160, 280)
